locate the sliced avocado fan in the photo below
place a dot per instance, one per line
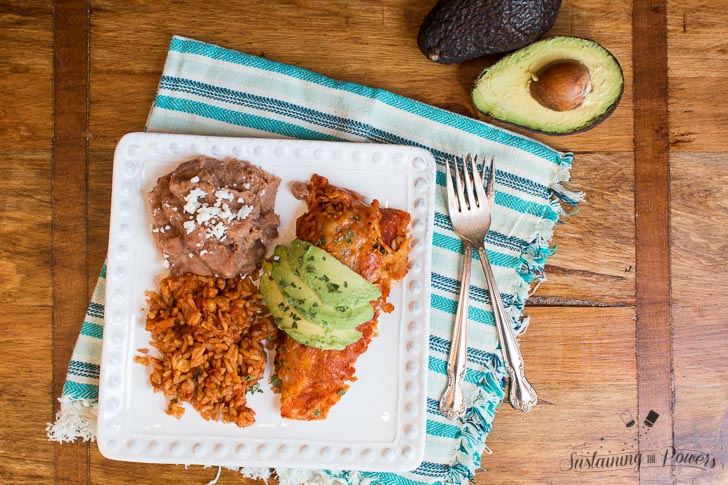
(334, 282)
(504, 91)
(297, 326)
(313, 297)
(306, 301)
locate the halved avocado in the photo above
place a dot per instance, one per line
(565, 99)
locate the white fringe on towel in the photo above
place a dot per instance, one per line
(75, 419)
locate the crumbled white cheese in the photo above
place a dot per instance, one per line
(224, 194)
(165, 262)
(195, 179)
(244, 212)
(206, 213)
(214, 217)
(189, 226)
(226, 213)
(203, 252)
(246, 186)
(218, 230)
(262, 192)
(192, 200)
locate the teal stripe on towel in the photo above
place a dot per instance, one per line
(92, 330)
(241, 119)
(430, 112)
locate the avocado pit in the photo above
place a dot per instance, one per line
(561, 85)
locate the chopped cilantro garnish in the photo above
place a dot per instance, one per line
(275, 381)
(255, 388)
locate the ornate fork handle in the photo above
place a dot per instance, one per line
(452, 403)
(522, 395)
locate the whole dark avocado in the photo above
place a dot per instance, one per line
(459, 30)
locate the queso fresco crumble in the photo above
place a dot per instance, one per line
(214, 218)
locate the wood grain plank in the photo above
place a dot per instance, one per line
(26, 455)
(700, 293)
(698, 55)
(25, 74)
(652, 198)
(69, 266)
(26, 124)
(101, 161)
(582, 363)
(25, 211)
(594, 260)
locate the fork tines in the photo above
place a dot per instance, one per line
(469, 182)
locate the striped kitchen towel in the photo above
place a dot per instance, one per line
(206, 89)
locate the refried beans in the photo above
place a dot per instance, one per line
(214, 217)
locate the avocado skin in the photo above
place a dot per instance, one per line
(459, 30)
(586, 127)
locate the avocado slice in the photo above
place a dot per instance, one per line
(307, 302)
(296, 325)
(459, 30)
(335, 283)
(504, 91)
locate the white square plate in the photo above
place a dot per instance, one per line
(379, 425)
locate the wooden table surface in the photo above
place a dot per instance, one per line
(632, 318)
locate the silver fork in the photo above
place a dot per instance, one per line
(470, 206)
